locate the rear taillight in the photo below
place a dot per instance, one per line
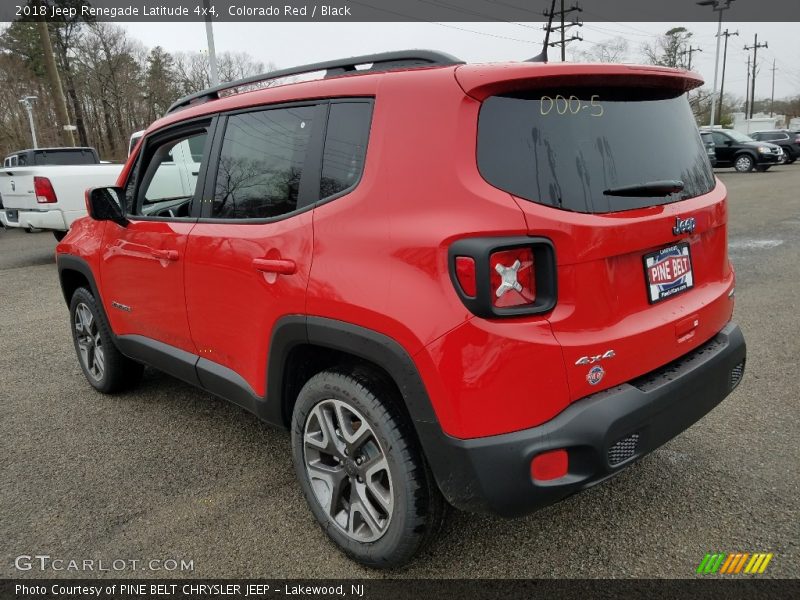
(513, 277)
(797, 138)
(45, 194)
(502, 277)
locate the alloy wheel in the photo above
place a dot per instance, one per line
(744, 163)
(348, 470)
(90, 345)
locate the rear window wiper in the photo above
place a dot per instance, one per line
(651, 188)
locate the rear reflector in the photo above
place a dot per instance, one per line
(45, 194)
(465, 273)
(550, 465)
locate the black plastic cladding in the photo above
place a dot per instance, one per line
(480, 249)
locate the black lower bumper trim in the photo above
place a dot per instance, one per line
(602, 433)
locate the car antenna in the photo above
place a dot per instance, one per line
(542, 56)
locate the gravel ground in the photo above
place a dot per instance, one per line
(170, 472)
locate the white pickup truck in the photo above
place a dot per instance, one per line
(45, 188)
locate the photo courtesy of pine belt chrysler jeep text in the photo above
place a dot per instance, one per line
(455, 284)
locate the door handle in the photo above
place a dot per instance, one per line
(281, 266)
(170, 255)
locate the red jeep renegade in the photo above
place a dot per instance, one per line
(479, 285)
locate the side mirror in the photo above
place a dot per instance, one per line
(105, 204)
(729, 142)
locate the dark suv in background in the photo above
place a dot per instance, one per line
(708, 142)
(743, 153)
(789, 141)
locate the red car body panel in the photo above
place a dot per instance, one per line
(377, 257)
(232, 305)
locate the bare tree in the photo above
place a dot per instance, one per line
(669, 50)
(614, 50)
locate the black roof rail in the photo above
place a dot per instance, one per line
(384, 61)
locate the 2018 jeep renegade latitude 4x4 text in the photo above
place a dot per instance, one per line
(463, 284)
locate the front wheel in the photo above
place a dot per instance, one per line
(744, 163)
(361, 470)
(105, 367)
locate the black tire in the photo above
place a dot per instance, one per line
(417, 507)
(118, 372)
(59, 235)
(744, 163)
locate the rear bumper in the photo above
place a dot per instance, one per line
(38, 219)
(493, 474)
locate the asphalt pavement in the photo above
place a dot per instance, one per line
(167, 472)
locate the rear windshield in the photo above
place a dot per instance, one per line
(64, 157)
(572, 148)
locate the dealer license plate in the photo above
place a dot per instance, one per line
(668, 272)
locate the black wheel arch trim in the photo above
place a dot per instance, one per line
(69, 262)
(296, 330)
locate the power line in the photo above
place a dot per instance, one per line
(727, 34)
(690, 50)
(563, 26)
(754, 48)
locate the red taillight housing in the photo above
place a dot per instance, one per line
(513, 280)
(504, 277)
(550, 465)
(45, 194)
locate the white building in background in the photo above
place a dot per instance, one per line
(759, 122)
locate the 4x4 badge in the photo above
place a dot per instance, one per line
(590, 360)
(684, 225)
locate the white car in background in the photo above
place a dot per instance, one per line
(45, 188)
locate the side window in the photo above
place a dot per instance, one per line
(169, 178)
(261, 163)
(719, 138)
(345, 146)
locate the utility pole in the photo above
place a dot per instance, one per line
(563, 27)
(716, 6)
(772, 101)
(212, 53)
(747, 89)
(724, 61)
(754, 48)
(27, 102)
(55, 83)
(690, 50)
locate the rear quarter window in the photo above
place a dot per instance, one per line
(564, 148)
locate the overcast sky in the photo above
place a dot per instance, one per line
(288, 44)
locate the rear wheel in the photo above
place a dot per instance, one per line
(744, 163)
(104, 366)
(361, 471)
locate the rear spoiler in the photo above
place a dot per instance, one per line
(482, 81)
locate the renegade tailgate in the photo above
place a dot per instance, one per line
(607, 162)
